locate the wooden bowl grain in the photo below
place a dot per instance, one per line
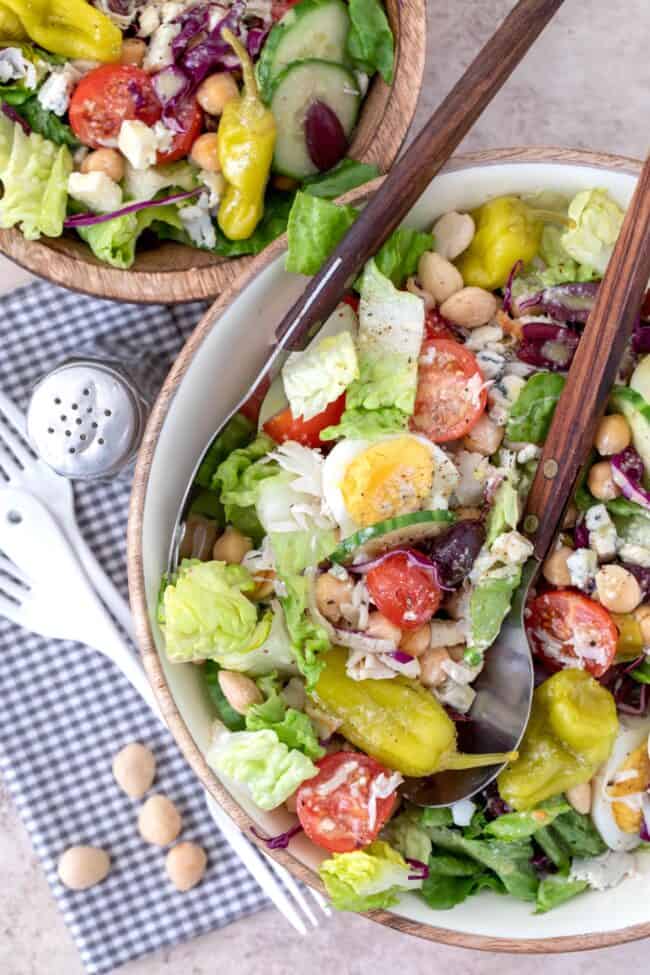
(171, 273)
(142, 611)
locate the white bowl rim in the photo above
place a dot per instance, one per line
(580, 942)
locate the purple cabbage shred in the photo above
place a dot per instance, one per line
(581, 534)
(90, 219)
(13, 115)
(422, 869)
(627, 473)
(401, 657)
(641, 337)
(630, 696)
(548, 346)
(279, 842)
(563, 302)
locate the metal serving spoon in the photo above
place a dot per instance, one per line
(504, 688)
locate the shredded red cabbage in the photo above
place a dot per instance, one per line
(13, 115)
(255, 39)
(548, 346)
(281, 841)
(564, 302)
(581, 534)
(421, 868)
(495, 806)
(89, 219)
(507, 291)
(642, 576)
(414, 558)
(641, 337)
(401, 657)
(631, 697)
(542, 864)
(627, 473)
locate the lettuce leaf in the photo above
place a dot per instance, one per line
(46, 123)
(408, 836)
(509, 861)
(532, 411)
(346, 175)
(516, 826)
(368, 879)
(398, 257)
(261, 762)
(114, 241)
(237, 480)
(238, 432)
(316, 377)
(315, 228)
(309, 641)
(292, 727)
(556, 889)
(35, 180)
(370, 39)
(598, 220)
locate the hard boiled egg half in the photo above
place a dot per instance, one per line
(619, 788)
(368, 481)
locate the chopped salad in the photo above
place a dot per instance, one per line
(190, 120)
(352, 547)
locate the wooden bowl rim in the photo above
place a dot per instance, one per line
(388, 113)
(146, 642)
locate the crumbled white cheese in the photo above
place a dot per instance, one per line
(215, 184)
(462, 812)
(14, 66)
(492, 363)
(159, 53)
(138, 142)
(512, 548)
(96, 190)
(604, 871)
(460, 697)
(484, 336)
(149, 20)
(529, 452)
(634, 554)
(602, 532)
(54, 94)
(501, 397)
(474, 470)
(198, 224)
(583, 566)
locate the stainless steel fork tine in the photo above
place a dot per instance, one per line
(10, 568)
(10, 587)
(11, 610)
(293, 889)
(320, 900)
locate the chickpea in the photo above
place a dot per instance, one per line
(601, 483)
(159, 821)
(470, 307)
(414, 288)
(485, 436)
(453, 233)
(239, 690)
(81, 867)
(431, 672)
(216, 91)
(416, 642)
(438, 276)
(617, 589)
(205, 152)
(198, 538)
(613, 435)
(331, 594)
(382, 629)
(107, 161)
(134, 769)
(642, 616)
(579, 796)
(231, 547)
(555, 570)
(133, 51)
(185, 865)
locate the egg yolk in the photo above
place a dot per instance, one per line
(390, 478)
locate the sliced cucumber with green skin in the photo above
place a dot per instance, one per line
(404, 530)
(312, 29)
(636, 411)
(295, 91)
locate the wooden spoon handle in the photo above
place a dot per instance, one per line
(592, 372)
(423, 159)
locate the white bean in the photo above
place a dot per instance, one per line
(239, 690)
(431, 672)
(579, 796)
(185, 865)
(413, 288)
(470, 307)
(81, 867)
(453, 233)
(485, 436)
(134, 769)
(159, 821)
(438, 276)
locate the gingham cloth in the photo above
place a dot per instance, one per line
(65, 710)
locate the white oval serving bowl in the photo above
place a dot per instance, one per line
(179, 428)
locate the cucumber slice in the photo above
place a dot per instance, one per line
(637, 413)
(312, 29)
(393, 533)
(295, 90)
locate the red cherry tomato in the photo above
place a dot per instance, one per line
(451, 395)
(352, 300)
(567, 629)
(190, 118)
(106, 97)
(345, 818)
(437, 327)
(280, 7)
(285, 426)
(404, 594)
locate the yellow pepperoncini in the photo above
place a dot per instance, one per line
(572, 728)
(398, 722)
(630, 637)
(507, 230)
(11, 29)
(72, 28)
(246, 139)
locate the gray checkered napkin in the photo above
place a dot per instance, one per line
(65, 710)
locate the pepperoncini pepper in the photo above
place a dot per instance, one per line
(507, 231)
(246, 139)
(630, 637)
(72, 28)
(397, 721)
(11, 28)
(571, 732)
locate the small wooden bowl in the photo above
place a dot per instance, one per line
(180, 426)
(170, 273)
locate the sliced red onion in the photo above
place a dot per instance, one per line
(13, 115)
(644, 832)
(356, 640)
(563, 302)
(255, 40)
(279, 842)
(90, 219)
(581, 534)
(421, 868)
(548, 346)
(414, 558)
(641, 337)
(507, 291)
(401, 657)
(627, 473)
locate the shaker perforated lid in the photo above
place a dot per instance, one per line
(85, 419)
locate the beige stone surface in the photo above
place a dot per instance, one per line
(586, 84)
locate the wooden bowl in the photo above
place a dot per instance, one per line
(178, 430)
(169, 273)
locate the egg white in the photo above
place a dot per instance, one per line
(337, 463)
(631, 735)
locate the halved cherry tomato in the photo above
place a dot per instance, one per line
(106, 97)
(190, 119)
(451, 395)
(285, 426)
(567, 629)
(404, 594)
(280, 7)
(436, 327)
(346, 817)
(352, 300)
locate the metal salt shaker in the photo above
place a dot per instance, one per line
(86, 417)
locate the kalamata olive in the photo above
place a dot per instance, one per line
(326, 141)
(455, 550)
(547, 346)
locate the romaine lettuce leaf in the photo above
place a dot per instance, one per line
(511, 862)
(398, 257)
(408, 836)
(237, 480)
(370, 39)
(532, 411)
(516, 826)
(319, 375)
(556, 889)
(261, 762)
(35, 180)
(346, 175)
(309, 641)
(368, 879)
(315, 228)
(238, 432)
(46, 123)
(292, 727)
(598, 220)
